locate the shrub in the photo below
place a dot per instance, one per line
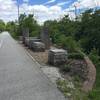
(66, 42)
(65, 68)
(34, 33)
(76, 56)
(95, 93)
(94, 56)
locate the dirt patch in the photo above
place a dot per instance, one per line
(40, 57)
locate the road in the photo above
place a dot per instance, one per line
(20, 77)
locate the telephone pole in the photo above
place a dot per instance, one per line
(18, 10)
(96, 4)
(75, 12)
(77, 9)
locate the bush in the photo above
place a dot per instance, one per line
(34, 33)
(66, 42)
(94, 56)
(95, 93)
(76, 56)
(71, 44)
(65, 68)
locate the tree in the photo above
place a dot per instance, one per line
(12, 27)
(28, 22)
(2, 25)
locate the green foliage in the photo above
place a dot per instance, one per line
(94, 56)
(70, 91)
(28, 22)
(95, 93)
(34, 33)
(66, 42)
(76, 56)
(2, 26)
(70, 44)
(85, 30)
(24, 22)
(65, 87)
(90, 30)
(65, 68)
(12, 27)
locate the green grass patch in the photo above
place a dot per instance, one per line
(76, 56)
(95, 93)
(71, 91)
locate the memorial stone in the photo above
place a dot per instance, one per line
(25, 33)
(38, 47)
(45, 37)
(32, 40)
(57, 56)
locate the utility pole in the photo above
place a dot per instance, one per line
(96, 4)
(18, 10)
(76, 9)
(75, 12)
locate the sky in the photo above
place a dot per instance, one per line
(44, 9)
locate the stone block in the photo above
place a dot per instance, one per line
(57, 56)
(26, 41)
(20, 38)
(32, 40)
(38, 46)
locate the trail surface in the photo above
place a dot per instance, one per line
(20, 77)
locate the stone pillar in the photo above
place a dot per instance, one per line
(25, 33)
(20, 38)
(45, 37)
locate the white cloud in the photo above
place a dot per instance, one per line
(8, 9)
(87, 3)
(50, 1)
(63, 3)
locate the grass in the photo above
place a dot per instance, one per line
(70, 90)
(95, 93)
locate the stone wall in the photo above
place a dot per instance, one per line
(78, 67)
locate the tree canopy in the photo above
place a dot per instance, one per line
(2, 25)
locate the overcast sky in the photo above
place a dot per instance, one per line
(44, 9)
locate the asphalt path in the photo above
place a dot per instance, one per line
(20, 77)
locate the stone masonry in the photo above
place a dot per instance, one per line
(38, 47)
(57, 56)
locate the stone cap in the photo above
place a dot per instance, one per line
(58, 50)
(39, 44)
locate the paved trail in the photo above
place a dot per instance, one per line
(20, 77)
